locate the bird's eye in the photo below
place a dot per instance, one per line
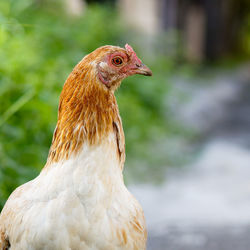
(117, 61)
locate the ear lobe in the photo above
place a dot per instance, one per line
(103, 66)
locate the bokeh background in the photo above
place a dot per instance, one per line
(187, 128)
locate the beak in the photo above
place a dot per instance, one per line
(143, 70)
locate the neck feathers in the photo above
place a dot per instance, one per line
(87, 113)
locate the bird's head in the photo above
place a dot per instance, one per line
(88, 110)
(112, 64)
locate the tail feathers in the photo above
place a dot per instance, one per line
(4, 242)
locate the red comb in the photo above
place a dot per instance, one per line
(132, 54)
(129, 48)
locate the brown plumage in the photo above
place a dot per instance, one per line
(4, 242)
(79, 200)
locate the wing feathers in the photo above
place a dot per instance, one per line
(117, 126)
(4, 242)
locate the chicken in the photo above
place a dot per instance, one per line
(79, 200)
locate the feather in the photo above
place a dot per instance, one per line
(4, 242)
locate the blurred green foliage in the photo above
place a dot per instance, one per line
(39, 46)
(245, 36)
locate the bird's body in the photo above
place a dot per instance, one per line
(85, 207)
(79, 200)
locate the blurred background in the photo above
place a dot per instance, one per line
(187, 128)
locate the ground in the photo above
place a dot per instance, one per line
(202, 238)
(205, 205)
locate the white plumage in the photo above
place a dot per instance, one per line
(71, 195)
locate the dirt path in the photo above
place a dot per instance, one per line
(206, 205)
(202, 238)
